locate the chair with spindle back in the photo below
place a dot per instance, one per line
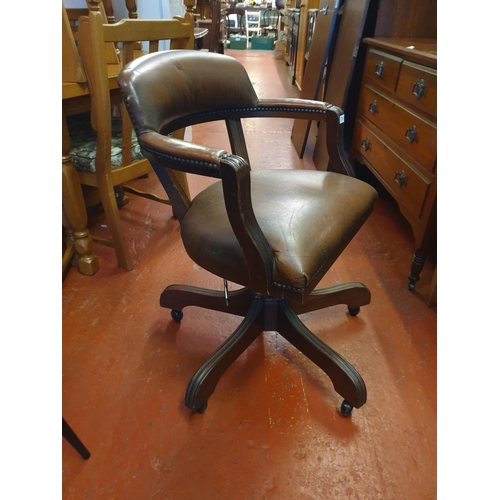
(113, 161)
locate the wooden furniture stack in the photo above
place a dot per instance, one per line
(78, 243)
(298, 24)
(383, 74)
(96, 89)
(212, 17)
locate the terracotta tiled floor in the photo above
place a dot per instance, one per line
(272, 428)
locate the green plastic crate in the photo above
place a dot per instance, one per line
(238, 42)
(262, 42)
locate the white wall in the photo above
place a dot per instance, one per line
(146, 9)
(75, 4)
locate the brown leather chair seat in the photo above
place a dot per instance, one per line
(305, 216)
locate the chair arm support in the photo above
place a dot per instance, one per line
(318, 111)
(181, 155)
(165, 152)
(237, 196)
(294, 108)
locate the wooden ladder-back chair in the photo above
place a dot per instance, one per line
(94, 34)
(274, 232)
(74, 14)
(253, 26)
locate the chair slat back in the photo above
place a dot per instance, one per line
(75, 13)
(72, 66)
(95, 33)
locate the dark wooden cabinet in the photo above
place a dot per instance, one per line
(312, 14)
(291, 42)
(215, 22)
(396, 129)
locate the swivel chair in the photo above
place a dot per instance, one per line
(274, 232)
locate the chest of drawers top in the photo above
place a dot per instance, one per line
(406, 68)
(419, 50)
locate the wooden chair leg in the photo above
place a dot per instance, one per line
(204, 381)
(74, 440)
(177, 297)
(74, 212)
(108, 199)
(346, 380)
(353, 295)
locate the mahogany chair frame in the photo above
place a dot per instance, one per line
(264, 303)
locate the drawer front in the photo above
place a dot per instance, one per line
(382, 69)
(415, 136)
(417, 85)
(404, 183)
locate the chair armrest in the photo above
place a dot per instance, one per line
(181, 155)
(317, 111)
(296, 108)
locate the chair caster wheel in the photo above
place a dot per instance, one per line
(353, 311)
(177, 316)
(411, 287)
(202, 408)
(345, 408)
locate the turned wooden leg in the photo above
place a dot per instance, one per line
(416, 267)
(74, 440)
(75, 214)
(204, 381)
(177, 297)
(353, 295)
(346, 380)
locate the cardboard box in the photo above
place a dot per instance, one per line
(279, 48)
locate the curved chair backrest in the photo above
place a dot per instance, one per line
(184, 86)
(239, 14)
(269, 18)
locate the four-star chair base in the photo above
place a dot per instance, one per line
(270, 314)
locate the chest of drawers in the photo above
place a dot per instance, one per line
(395, 133)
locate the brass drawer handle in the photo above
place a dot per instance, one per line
(418, 88)
(372, 108)
(379, 68)
(365, 144)
(400, 178)
(411, 134)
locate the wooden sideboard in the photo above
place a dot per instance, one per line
(395, 131)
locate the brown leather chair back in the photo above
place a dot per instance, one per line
(208, 81)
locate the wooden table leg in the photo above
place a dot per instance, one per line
(417, 265)
(75, 214)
